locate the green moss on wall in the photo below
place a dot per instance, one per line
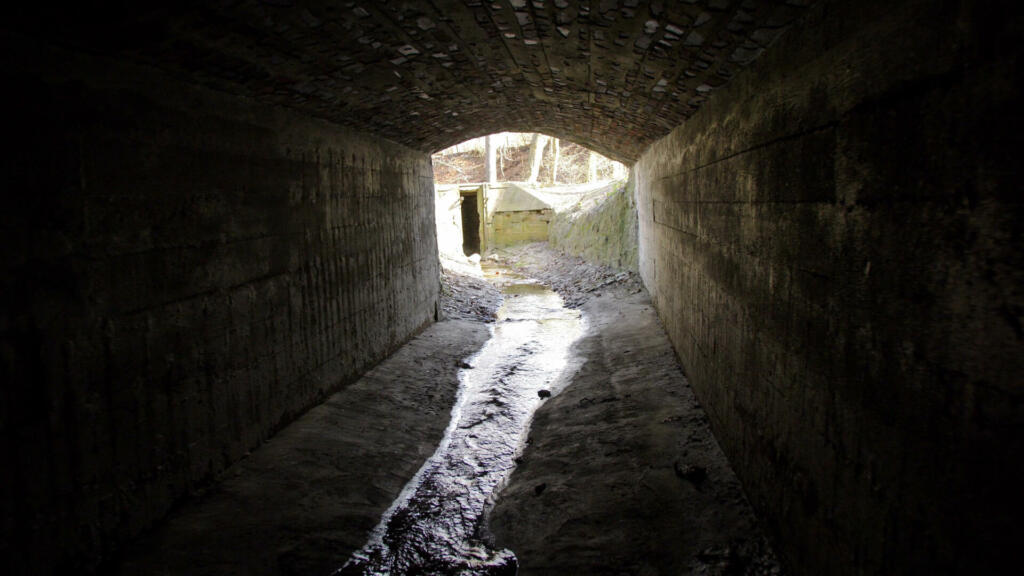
(603, 232)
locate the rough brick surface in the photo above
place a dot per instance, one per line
(833, 244)
(614, 75)
(182, 274)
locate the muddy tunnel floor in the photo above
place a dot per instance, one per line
(430, 463)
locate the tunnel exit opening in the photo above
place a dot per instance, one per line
(497, 192)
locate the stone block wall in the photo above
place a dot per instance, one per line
(833, 244)
(183, 273)
(520, 227)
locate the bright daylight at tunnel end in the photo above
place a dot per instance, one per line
(523, 287)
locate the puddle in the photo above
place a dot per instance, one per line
(435, 525)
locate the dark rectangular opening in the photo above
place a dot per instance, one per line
(470, 224)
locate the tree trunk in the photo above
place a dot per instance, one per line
(618, 171)
(492, 173)
(501, 166)
(554, 163)
(592, 166)
(537, 145)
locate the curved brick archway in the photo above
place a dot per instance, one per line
(614, 75)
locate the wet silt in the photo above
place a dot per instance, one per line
(435, 526)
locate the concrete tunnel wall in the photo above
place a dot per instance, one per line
(832, 239)
(183, 273)
(833, 244)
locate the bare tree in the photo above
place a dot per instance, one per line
(618, 171)
(492, 173)
(455, 166)
(556, 145)
(592, 166)
(537, 145)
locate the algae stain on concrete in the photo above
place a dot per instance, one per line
(602, 228)
(436, 523)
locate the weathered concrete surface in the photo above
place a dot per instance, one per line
(511, 197)
(448, 218)
(834, 246)
(183, 273)
(309, 497)
(621, 474)
(601, 229)
(514, 215)
(613, 75)
(520, 227)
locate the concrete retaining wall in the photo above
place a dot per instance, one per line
(833, 245)
(602, 229)
(183, 273)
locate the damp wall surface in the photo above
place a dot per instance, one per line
(601, 230)
(520, 227)
(834, 245)
(183, 273)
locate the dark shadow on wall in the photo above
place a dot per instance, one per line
(183, 274)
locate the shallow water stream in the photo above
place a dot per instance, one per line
(435, 525)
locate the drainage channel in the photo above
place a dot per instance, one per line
(435, 526)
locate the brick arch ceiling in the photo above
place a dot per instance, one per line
(614, 75)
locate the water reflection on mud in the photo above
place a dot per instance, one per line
(434, 527)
